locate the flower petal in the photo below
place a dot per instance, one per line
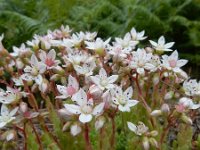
(74, 109)
(80, 97)
(98, 109)
(112, 78)
(132, 127)
(84, 118)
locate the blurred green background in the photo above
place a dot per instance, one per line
(177, 20)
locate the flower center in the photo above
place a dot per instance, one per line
(104, 82)
(34, 71)
(49, 62)
(86, 109)
(71, 90)
(122, 100)
(172, 63)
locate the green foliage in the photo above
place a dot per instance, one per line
(184, 138)
(31, 138)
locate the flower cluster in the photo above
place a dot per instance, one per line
(89, 79)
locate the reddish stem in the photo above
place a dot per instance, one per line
(87, 138)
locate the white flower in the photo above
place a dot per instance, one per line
(126, 42)
(34, 71)
(187, 103)
(137, 36)
(49, 59)
(20, 51)
(76, 57)
(161, 46)
(141, 61)
(99, 122)
(6, 115)
(98, 46)
(86, 68)
(172, 63)
(139, 129)
(75, 129)
(103, 81)
(84, 107)
(11, 95)
(18, 81)
(191, 87)
(34, 43)
(123, 99)
(118, 52)
(71, 88)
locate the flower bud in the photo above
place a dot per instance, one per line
(153, 133)
(145, 143)
(75, 129)
(153, 142)
(59, 70)
(165, 108)
(19, 64)
(99, 122)
(169, 95)
(186, 119)
(23, 107)
(156, 113)
(55, 77)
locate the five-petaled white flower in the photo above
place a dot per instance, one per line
(139, 129)
(71, 88)
(191, 87)
(123, 99)
(103, 81)
(161, 45)
(185, 104)
(141, 61)
(84, 107)
(11, 95)
(126, 42)
(34, 71)
(6, 115)
(137, 36)
(98, 46)
(49, 59)
(22, 50)
(172, 63)
(86, 68)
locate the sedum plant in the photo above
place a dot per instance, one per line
(77, 91)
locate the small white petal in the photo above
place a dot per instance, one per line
(84, 118)
(73, 108)
(98, 109)
(132, 127)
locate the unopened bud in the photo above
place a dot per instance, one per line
(55, 77)
(154, 133)
(153, 142)
(59, 70)
(169, 95)
(165, 108)
(145, 143)
(156, 113)
(75, 129)
(186, 119)
(23, 107)
(99, 122)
